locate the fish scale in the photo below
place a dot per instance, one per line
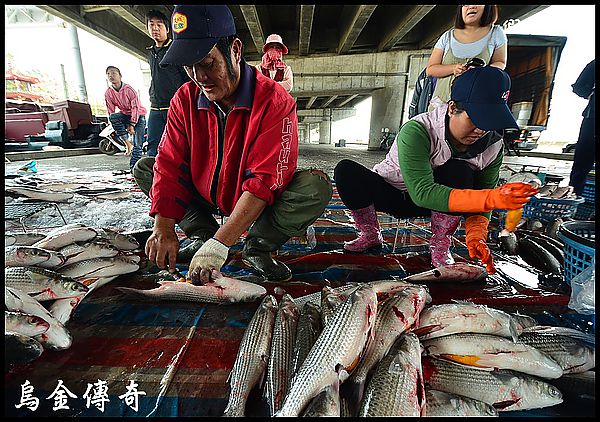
(307, 332)
(251, 360)
(99, 267)
(335, 352)
(279, 369)
(573, 356)
(395, 316)
(396, 387)
(439, 403)
(505, 390)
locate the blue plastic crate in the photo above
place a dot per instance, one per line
(589, 190)
(549, 209)
(579, 246)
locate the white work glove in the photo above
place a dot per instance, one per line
(211, 255)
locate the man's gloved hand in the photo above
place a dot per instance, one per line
(211, 255)
(476, 227)
(510, 196)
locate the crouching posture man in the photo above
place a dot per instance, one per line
(230, 147)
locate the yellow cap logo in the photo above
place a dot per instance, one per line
(179, 22)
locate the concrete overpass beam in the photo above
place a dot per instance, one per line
(306, 19)
(386, 111)
(311, 102)
(412, 18)
(132, 16)
(347, 100)
(329, 101)
(252, 20)
(357, 24)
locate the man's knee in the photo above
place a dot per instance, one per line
(143, 173)
(315, 184)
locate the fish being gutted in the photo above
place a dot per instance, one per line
(279, 368)
(492, 352)
(25, 324)
(462, 272)
(396, 387)
(505, 390)
(252, 357)
(335, 353)
(42, 284)
(451, 318)
(222, 290)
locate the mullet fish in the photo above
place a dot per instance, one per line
(462, 272)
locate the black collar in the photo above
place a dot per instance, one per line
(244, 91)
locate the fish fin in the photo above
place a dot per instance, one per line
(468, 360)
(89, 281)
(140, 294)
(36, 277)
(463, 302)
(513, 329)
(421, 331)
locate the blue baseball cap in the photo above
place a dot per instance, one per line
(196, 30)
(483, 92)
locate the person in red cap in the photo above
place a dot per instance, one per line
(444, 163)
(230, 148)
(272, 64)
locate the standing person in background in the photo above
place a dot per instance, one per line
(165, 80)
(272, 64)
(131, 117)
(585, 150)
(474, 35)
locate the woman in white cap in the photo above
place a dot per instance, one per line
(272, 64)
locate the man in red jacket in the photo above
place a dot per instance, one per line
(230, 147)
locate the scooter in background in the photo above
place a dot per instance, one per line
(110, 143)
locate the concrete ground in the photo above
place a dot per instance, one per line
(323, 157)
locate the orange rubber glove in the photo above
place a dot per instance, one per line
(510, 196)
(476, 227)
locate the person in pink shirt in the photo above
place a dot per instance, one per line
(126, 113)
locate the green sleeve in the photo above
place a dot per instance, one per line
(413, 156)
(488, 177)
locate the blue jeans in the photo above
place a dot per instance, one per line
(157, 120)
(120, 123)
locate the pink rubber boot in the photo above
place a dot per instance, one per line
(369, 231)
(443, 227)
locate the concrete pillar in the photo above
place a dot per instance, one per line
(325, 131)
(303, 133)
(78, 65)
(386, 111)
(64, 81)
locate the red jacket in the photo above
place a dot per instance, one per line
(260, 148)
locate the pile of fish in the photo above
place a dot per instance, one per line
(46, 277)
(380, 349)
(537, 249)
(552, 190)
(43, 189)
